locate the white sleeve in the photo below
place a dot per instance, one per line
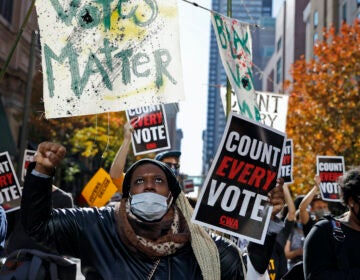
(252, 274)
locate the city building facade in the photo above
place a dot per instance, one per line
(16, 80)
(299, 24)
(290, 40)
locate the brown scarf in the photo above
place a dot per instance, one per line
(152, 239)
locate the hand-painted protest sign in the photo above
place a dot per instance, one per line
(272, 107)
(28, 157)
(150, 129)
(99, 189)
(286, 169)
(235, 48)
(188, 185)
(329, 168)
(233, 198)
(10, 190)
(105, 56)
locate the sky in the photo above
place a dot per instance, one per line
(194, 26)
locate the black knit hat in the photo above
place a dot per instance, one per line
(173, 183)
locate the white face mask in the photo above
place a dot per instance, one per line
(149, 206)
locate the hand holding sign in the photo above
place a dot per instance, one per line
(48, 156)
(277, 198)
(235, 196)
(329, 169)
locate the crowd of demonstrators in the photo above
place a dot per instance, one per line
(326, 244)
(332, 248)
(148, 234)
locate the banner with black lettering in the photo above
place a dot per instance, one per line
(286, 169)
(10, 190)
(150, 129)
(28, 157)
(233, 198)
(329, 168)
(272, 107)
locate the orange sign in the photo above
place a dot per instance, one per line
(99, 189)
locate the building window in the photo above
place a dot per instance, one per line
(6, 9)
(279, 70)
(278, 44)
(316, 19)
(344, 12)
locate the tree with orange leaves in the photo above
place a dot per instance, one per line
(323, 115)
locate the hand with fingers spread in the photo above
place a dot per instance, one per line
(48, 156)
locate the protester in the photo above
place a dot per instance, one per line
(3, 229)
(278, 262)
(318, 207)
(295, 243)
(332, 248)
(146, 235)
(170, 158)
(117, 172)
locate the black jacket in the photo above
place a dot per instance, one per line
(90, 234)
(330, 253)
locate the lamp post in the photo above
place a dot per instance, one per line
(228, 85)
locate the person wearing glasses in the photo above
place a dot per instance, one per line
(171, 158)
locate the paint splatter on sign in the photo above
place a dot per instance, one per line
(108, 55)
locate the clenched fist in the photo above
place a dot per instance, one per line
(48, 156)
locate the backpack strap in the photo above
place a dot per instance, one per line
(337, 232)
(34, 267)
(338, 241)
(53, 271)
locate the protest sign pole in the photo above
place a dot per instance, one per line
(3, 70)
(228, 85)
(24, 130)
